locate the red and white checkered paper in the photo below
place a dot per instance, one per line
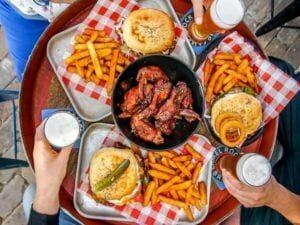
(277, 87)
(104, 16)
(160, 213)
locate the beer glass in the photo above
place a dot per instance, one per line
(251, 169)
(62, 129)
(221, 15)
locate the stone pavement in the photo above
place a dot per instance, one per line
(282, 43)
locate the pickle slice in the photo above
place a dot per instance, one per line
(111, 178)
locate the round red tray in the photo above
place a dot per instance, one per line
(37, 94)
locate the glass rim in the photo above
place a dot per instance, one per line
(62, 112)
(230, 24)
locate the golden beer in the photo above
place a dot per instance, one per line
(221, 15)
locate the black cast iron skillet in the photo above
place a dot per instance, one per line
(176, 71)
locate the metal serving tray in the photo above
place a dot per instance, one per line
(88, 108)
(91, 142)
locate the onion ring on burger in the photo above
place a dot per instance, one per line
(231, 126)
(222, 117)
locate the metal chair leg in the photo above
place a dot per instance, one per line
(289, 13)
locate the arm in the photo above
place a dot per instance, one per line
(287, 204)
(273, 195)
(50, 169)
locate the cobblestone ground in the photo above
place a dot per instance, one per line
(282, 43)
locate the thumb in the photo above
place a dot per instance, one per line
(64, 153)
(198, 10)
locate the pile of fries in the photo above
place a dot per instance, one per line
(227, 70)
(174, 180)
(96, 57)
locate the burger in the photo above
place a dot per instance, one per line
(115, 176)
(235, 115)
(147, 31)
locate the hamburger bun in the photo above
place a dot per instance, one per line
(123, 189)
(148, 31)
(245, 105)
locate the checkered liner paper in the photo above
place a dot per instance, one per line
(277, 87)
(104, 16)
(150, 215)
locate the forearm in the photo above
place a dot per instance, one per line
(46, 201)
(287, 204)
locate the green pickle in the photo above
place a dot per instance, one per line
(111, 178)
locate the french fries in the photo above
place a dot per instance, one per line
(174, 179)
(182, 186)
(112, 70)
(212, 82)
(184, 170)
(202, 189)
(148, 193)
(95, 59)
(165, 162)
(151, 157)
(189, 195)
(189, 213)
(193, 152)
(182, 158)
(168, 184)
(160, 175)
(162, 168)
(166, 154)
(171, 201)
(196, 172)
(174, 194)
(94, 49)
(229, 70)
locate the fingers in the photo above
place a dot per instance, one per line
(237, 184)
(41, 142)
(198, 11)
(248, 196)
(64, 153)
(39, 132)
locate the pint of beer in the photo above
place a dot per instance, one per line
(62, 129)
(251, 169)
(222, 15)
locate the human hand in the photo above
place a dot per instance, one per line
(63, 1)
(198, 10)
(250, 196)
(50, 170)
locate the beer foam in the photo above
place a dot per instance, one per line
(226, 14)
(62, 129)
(255, 170)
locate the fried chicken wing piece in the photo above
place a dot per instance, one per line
(189, 115)
(184, 98)
(145, 130)
(132, 103)
(162, 91)
(165, 127)
(149, 74)
(168, 109)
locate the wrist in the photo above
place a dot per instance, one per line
(46, 201)
(277, 191)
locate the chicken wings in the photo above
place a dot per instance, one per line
(156, 99)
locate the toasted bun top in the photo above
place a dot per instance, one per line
(247, 106)
(103, 163)
(148, 31)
